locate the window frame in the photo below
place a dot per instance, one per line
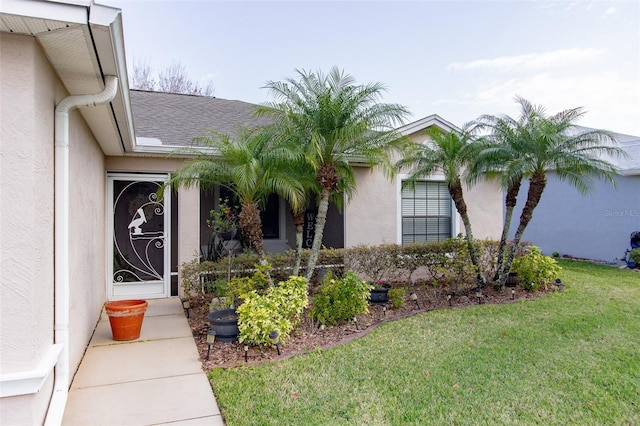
(455, 217)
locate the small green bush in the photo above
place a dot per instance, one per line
(279, 309)
(534, 270)
(634, 256)
(339, 300)
(396, 296)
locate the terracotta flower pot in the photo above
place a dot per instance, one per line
(125, 317)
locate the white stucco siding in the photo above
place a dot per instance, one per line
(371, 215)
(28, 94)
(87, 238)
(486, 210)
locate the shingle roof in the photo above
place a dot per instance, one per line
(628, 165)
(175, 119)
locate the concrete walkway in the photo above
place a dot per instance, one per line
(156, 379)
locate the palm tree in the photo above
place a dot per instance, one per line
(451, 153)
(498, 159)
(250, 168)
(535, 144)
(333, 121)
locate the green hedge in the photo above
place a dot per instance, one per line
(443, 263)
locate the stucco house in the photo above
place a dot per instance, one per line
(596, 226)
(81, 158)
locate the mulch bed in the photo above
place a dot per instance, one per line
(307, 336)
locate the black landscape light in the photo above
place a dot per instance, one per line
(559, 285)
(246, 351)
(512, 281)
(275, 340)
(211, 339)
(186, 306)
(323, 328)
(479, 294)
(449, 297)
(413, 296)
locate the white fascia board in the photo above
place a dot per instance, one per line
(111, 53)
(103, 15)
(426, 122)
(30, 381)
(69, 11)
(141, 147)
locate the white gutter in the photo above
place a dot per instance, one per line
(61, 219)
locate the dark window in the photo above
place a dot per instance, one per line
(426, 212)
(270, 217)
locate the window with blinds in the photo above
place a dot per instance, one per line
(426, 212)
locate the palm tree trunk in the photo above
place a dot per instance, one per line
(455, 189)
(251, 226)
(510, 202)
(537, 183)
(298, 221)
(321, 219)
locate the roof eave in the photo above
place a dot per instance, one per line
(97, 50)
(425, 123)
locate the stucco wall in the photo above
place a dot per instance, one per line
(486, 210)
(371, 214)
(596, 226)
(28, 93)
(86, 235)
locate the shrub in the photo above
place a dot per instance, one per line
(534, 270)
(198, 277)
(342, 299)
(396, 296)
(278, 310)
(634, 256)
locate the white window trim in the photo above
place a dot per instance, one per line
(436, 177)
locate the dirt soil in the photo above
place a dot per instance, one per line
(307, 336)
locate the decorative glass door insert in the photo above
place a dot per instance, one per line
(139, 251)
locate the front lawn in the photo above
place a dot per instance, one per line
(572, 357)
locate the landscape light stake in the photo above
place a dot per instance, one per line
(384, 310)
(211, 339)
(186, 306)
(275, 339)
(479, 294)
(355, 321)
(246, 352)
(449, 297)
(322, 328)
(512, 281)
(414, 297)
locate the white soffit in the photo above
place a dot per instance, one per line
(83, 42)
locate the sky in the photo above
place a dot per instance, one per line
(457, 59)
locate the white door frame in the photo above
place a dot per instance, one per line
(149, 289)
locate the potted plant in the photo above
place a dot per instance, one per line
(223, 222)
(379, 292)
(125, 318)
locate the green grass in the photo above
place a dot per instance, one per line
(572, 358)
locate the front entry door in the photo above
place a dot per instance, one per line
(138, 258)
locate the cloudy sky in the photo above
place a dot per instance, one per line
(457, 59)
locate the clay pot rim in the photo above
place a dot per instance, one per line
(124, 305)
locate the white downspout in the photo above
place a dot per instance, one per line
(61, 219)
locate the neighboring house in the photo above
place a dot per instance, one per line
(596, 226)
(79, 220)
